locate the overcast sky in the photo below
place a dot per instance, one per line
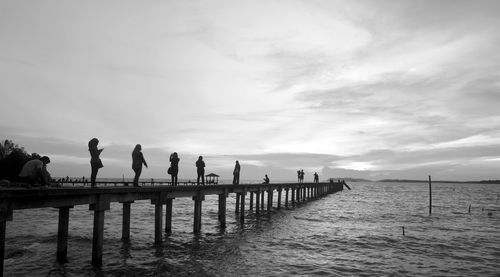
(372, 89)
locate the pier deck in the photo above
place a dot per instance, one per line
(99, 199)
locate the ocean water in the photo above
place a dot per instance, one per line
(356, 232)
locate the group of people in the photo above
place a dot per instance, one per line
(35, 171)
(300, 176)
(138, 161)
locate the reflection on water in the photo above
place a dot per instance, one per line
(355, 232)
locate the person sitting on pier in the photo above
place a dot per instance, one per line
(174, 167)
(35, 171)
(236, 174)
(95, 161)
(266, 180)
(137, 161)
(200, 169)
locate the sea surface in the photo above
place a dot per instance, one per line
(356, 232)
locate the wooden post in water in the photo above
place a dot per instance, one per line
(279, 199)
(262, 200)
(222, 209)
(251, 201)
(126, 220)
(257, 202)
(62, 234)
(237, 208)
(197, 212)
(168, 215)
(3, 225)
(286, 197)
(99, 208)
(242, 213)
(430, 195)
(269, 199)
(5, 215)
(158, 223)
(292, 195)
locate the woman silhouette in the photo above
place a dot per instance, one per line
(137, 161)
(174, 167)
(95, 161)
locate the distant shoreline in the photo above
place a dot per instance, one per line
(439, 181)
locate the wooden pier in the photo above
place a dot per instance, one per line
(99, 200)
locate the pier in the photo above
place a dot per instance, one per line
(99, 200)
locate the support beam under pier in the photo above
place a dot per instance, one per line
(126, 221)
(168, 215)
(62, 234)
(198, 199)
(99, 208)
(222, 209)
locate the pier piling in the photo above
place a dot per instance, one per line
(242, 210)
(237, 207)
(279, 199)
(62, 234)
(222, 209)
(168, 215)
(257, 202)
(158, 223)
(262, 200)
(126, 221)
(197, 212)
(98, 232)
(286, 197)
(269, 199)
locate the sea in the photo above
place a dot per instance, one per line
(357, 232)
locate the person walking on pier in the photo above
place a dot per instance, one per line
(316, 177)
(95, 161)
(200, 169)
(174, 167)
(137, 161)
(236, 174)
(266, 180)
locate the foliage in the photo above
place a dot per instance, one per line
(12, 159)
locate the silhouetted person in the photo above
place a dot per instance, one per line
(236, 174)
(200, 169)
(137, 161)
(35, 171)
(174, 167)
(316, 177)
(302, 176)
(298, 176)
(95, 161)
(266, 180)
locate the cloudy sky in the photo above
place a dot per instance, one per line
(372, 89)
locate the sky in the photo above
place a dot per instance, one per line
(368, 89)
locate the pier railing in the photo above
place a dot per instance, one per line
(99, 199)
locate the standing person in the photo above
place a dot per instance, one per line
(316, 177)
(95, 161)
(298, 176)
(236, 174)
(174, 167)
(266, 180)
(137, 161)
(200, 169)
(302, 176)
